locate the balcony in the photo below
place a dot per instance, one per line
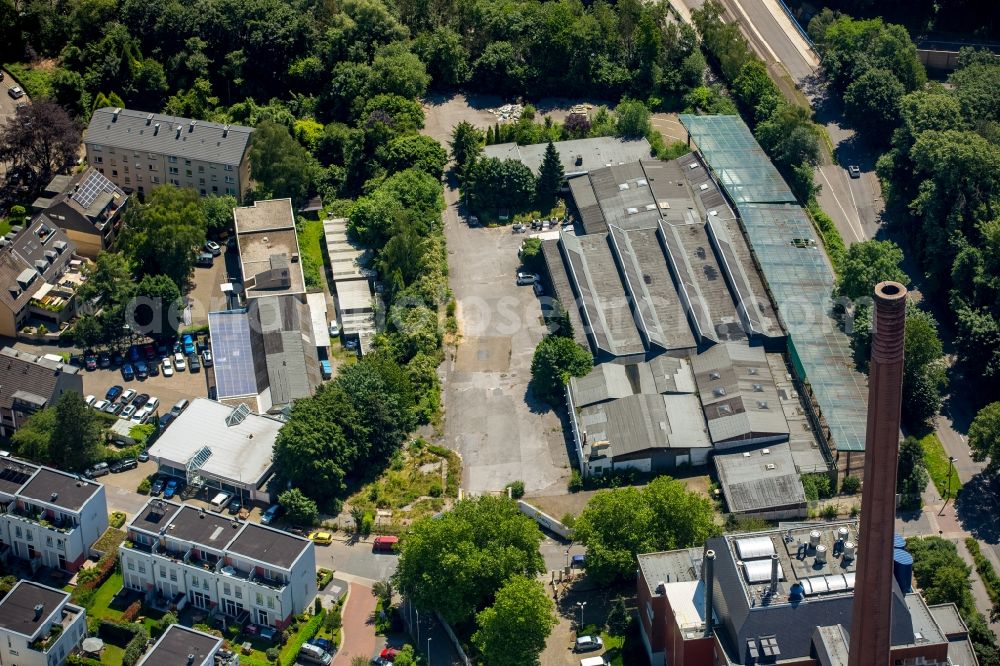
(63, 525)
(141, 547)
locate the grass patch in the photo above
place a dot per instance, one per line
(36, 81)
(985, 569)
(310, 233)
(100, 605)
(4, 226)
(558, 211)
(937, 465)
(112, 655)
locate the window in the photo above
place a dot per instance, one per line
(99, 159)
(154, 179)
(194, 581)
(48, 541)
(214, 178)
(215, 190)
(187, 172)
(152, 156)
(17, 531)
(152, 167)
(230, 179)
(187, 162)
(96, 148)
(142, 568)
(163, 573)
(172, 159)
(114, 162)
(174, 170)
(126, 168)
(29, 536)
(174, 181)
(201, 181)
(226, 589)
(229, 167)
(201, 169)
(239, 592)
(114, 172)
(173, 575)
(101, 170)
(131, 565)
(204, 584)
(260, 599)
(203, 191)
(128, 181)
(231, 190)
(138, 179)
(270, 602)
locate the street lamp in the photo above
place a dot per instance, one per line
(567, 555)
(428, 652)
(581, 605)
(951, 462)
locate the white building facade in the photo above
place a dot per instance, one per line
(38, 626)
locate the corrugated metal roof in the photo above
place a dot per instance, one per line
(136, 131)
(577, 155)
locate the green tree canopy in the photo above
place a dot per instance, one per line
(218, 213)
(556, 359)
(550, 176)
(631, 119)
(456, 563)
(984, 437)
(512, 632)
(415, 151)
(76, 433)
(466, 143)
(157, 307)
(789, 136)
(872, 103)
(619, 523)
(372, 218)
(298, 508)
(162, 236)
(868, 264)
(492, 183)
(280, 165)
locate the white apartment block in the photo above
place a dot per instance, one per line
(38, 627)
(49, 518)
(139, 151)
(181, 555)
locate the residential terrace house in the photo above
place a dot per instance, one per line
(88, 207)
(29, 383)
(138, 151)
(39, 277)
(49, 518)
(38, 627)
(179, 554)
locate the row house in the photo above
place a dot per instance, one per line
(31, 383)
(49, 518)
(178, 555)
(38, 626)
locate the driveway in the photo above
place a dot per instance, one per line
(8, 106)
(206, 296)
(355, 561)
(359, 626)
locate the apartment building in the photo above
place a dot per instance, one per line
(49, 518)
(38, 626)
(138, 151)
(182, 555)
(88, 207)
(30, 383)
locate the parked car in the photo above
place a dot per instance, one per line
(156, 488)
(141, 370)
(154, 369)
(113, 408)
(580, 561)
(588, 643)
(322, 643)
(235, 505)
(854, 171)
(124, 465)
(117, 359)
(99, 469)
(162, 349)
(204, 260)
(128, 412)
(167, 419)
(213, 247)
(312, 654)
(133, 353)
(104, 361)
(271, 514)
(539, 289)
(127, 396)
(193, 364)
(140, 400)
(180, 365)
(171, 488)
(168, 367)
(128, 372)
(152, 403)
(90, 362)
(180, 406)
(384, 544)
(519, 228)
(321, 538)
(526, 278)
(15, 92)
(206, 358)
(100, 405)
(113, 393)
(149, 351)
(188, 342)
(89, 400)
(144, 456)
(334, 329)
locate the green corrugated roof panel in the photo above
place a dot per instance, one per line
(796, 269)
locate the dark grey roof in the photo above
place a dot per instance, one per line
(269, 545)
(949, 620)
(26, 255)
(288, 347)
(577, 155)
(754, 481)
(21, 371)
(155, 515)
(612, 381)
(89, 197)
(559, 280)
(206, 528)
(177, 644)
(14, 474)
(672, 566)
(137, 131)
(60, 489)
(645, 422)
(17, 609)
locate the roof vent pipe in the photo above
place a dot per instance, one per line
(821, 554)
(709, 580)
(774, 573)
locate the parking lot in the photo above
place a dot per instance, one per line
(168, 389)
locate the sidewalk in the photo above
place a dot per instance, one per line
(359, 626)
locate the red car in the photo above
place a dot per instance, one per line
(149, 351)
(389, 654)
(385, 544)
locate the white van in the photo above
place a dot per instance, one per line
(220, 501)
(594, 661)
(314, 654)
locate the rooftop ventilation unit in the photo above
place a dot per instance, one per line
(622, 187)
(719, 392)
(156, 129)
(149, 119)
(703, 187)
(114, 114)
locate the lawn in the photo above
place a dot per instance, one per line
(100, 607)
(311, 238)
(559, 211)
(4, 226)
(937, 465)
(112, 655)
(287, 653)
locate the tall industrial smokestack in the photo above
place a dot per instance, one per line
(871, 620)
(709, 579)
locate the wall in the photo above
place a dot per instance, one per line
(544, 519)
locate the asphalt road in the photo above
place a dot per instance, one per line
(8, 106)
(778, 37)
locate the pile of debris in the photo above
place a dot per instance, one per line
(508, 111)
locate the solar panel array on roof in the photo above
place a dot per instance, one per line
(91, 187)
(234, 363)
(798, 273)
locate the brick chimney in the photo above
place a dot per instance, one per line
(871, 621)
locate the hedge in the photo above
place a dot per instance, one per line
(291, 651)
(985, 570)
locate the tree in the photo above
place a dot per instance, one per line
(951, 585)
(618, 618)
(872, 103)
(414, 151)
(868, 264)
(789, 137)
(383, 591)
(400, 72)
(76, 434)
(445, 56)
(281, 166)
(300, 509)
(31, 440)
(466, 144)
(43, 142)
(218, 213)
(550, 176)
(157, 307)
(618, 523)
(162, 236)
(924, 374)
(557, 359)
(984, 437)
(631, 119)
(756, 91)
(357, 515)
(456, 563)
(493, 183)
(372, 218)
(513, 630)
(911, 475)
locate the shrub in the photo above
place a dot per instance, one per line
(517, 489)
(434, 490)
(851, 485)
(575, 482)
(568, 520)
(334, 619)
(272, 654)
(161, 626)
(132, 611)
(117, 519)
(829, 512)
(367, 524)
(323, 578)
(17, 211)
(144, 487)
